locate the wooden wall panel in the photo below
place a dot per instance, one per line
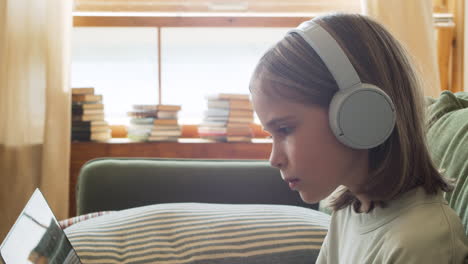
(457, 7)
(453, 65)
(445, 37)
(187, 20)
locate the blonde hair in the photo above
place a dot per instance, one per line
(292, 70)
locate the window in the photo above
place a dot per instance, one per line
(214, 50)
(121, 63)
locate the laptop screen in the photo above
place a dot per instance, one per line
(36, 237)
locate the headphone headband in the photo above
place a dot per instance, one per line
(330, 52)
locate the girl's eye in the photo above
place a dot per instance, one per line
(284, 130)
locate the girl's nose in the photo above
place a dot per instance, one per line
(277, 159)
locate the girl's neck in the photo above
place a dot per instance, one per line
(365, 205)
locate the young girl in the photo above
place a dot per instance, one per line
(343, 105)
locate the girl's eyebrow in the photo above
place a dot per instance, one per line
(274, 122)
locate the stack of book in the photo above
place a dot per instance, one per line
(443, 19)
(154, 123)
(88, 122)
(228, 118)
(166, 125)
(141, 122)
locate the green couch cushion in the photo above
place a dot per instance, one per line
(448, 143)
(120, 183)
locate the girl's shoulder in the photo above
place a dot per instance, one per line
(413, 214)
(432, 231)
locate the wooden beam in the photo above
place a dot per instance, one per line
(458, 10)
(217, 6)
(188, 20)
(444, 36)
(440, 6)
(159, 67)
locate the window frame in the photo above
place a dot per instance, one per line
(168, 20)
(157, 20)
(213, 6)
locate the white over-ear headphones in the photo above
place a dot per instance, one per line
(361, 115)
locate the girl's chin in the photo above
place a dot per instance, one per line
(310, 199)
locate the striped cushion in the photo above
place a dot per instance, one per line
(202, 233)
(71, 221)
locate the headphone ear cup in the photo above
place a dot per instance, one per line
(362, 117)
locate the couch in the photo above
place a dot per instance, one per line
(103, 184)
(207, 211)
(192, 211)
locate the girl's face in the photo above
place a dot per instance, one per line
(309, 156)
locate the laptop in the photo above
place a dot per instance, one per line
(36, 237)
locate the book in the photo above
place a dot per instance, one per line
(163, 138)
(246, 130)
(101, 136)
(138, 133)
(228, 112)
(137, 127)
(88, 116)
(87, 106)
(158, 122)
(142, 120)
(142, 113)
(166, 115)
(229, 119)
(173, 133)
(144, 107)
(214, 138)
(166, 127)
(168, 107)
(230, 104)
(90, 129)
(238, 139)
(94, 117)
(86, 98)
(90, 133)
(221, 123)
(159, 107)
(88, 124)
(81, 111)
(228, 96)
(84, 90)
(221, 134)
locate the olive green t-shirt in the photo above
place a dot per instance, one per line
(415, 228)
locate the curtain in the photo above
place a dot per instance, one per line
(412, 23)
(34, 105)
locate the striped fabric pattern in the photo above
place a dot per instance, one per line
(71, 221)
(202, 233)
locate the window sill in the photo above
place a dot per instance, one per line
(180, 140)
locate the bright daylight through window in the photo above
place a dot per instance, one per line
(121, 61)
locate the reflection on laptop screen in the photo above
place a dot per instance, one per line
(36, 237)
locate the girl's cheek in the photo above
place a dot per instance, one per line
(290, 145)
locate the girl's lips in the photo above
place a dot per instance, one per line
(293, 183)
